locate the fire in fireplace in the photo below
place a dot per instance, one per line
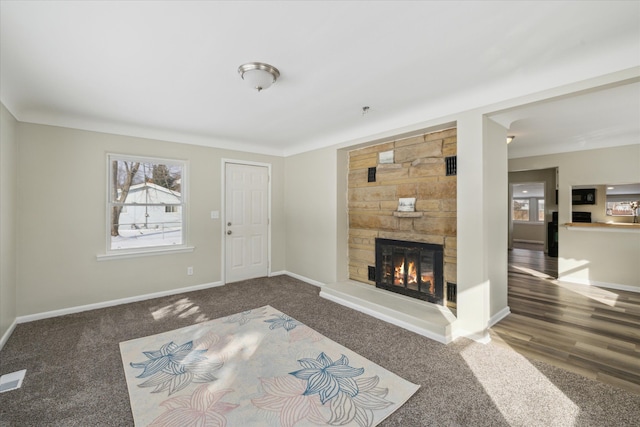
(410, 268)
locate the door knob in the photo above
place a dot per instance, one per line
(229, 223)
(229, 232)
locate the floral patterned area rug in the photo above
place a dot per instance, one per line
(255, 368)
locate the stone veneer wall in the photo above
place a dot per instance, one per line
(418, 171)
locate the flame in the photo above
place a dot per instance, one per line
(412, 274)
(426, 278)
(398, 277)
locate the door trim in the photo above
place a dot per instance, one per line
(223, 213)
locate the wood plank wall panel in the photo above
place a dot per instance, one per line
(418, 171)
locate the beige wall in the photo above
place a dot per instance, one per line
(7, 220)
(596, 256)
(61, 227)
(532, 232)
(311, 215)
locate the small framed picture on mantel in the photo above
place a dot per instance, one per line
(407, 204)
(385, 157)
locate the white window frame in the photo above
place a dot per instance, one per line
(528, 206)
(544, 209)
(533, 210)
(150, 250)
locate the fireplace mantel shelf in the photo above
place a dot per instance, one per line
(407, 214)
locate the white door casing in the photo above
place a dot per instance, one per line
(246, 221)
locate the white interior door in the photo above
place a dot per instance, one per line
(246, 222)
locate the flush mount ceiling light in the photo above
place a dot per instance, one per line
(510, 138)
(258, 75)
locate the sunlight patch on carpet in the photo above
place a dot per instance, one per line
(256, 368)
(519, 390)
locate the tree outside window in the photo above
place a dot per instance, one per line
(520, 210)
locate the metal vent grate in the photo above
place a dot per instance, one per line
(371, 175)
(452, 165)
(372, 273)
(452, 292)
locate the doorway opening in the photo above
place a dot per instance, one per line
(528, 215)
(531, 206)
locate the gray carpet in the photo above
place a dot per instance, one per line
(75, 376)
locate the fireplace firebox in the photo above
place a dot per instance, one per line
(410, 268)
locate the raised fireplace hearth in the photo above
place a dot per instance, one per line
(413, 269)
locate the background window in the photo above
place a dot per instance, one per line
(527, 203)
(146, 203)
(520, 210)
(623, 200)
(540, 209)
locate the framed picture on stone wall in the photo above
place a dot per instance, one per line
(407, 204)
(385, 157)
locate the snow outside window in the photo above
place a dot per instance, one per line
(146, 203)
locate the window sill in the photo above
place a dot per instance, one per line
(143, 253)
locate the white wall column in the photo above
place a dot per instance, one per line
(482, 224)
(496, 206)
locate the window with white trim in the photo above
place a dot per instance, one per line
(527, 203)
(146, 206)
(528, 210)
(520, 210)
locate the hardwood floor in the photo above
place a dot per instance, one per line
(591, 331)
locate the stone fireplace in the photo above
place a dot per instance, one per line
(410, 268)
(422, 169)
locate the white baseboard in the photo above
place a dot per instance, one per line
(104, 304)
(499, 316)
(278, 273)
(299, 277)
(588, 282)
(482, 338)
(7, 334)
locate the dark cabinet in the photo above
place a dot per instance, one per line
(552, 239)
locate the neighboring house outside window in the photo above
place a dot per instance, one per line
(146, 203)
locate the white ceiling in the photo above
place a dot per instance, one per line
(528, 190)
(603, 118)
(168, 70)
